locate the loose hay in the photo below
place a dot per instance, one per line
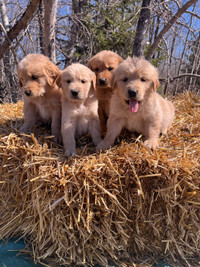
(128, 205)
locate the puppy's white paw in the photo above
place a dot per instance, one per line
(70, 152)
(151, 143)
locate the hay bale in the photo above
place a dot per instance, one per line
(128, 205)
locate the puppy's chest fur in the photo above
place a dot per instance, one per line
(45, 112)
(81, 115)
(104, 94)
(134, 122)
(43, 108)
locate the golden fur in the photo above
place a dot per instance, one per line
(135, 104)
(103, 64)
(42, 98)
(79, 106)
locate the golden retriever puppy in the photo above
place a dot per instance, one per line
(42, 97)
(135, 104)
(103, 64)
(79, 106)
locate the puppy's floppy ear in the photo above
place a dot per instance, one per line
(120, 59)
(113, 80)
(20, 80)
(52, 72)
(93, 82)
(90, 63)
(58, 81)
(156, 82)
(20, 83)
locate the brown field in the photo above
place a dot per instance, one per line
(129, 204)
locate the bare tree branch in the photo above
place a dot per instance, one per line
(168, 26)
(19, 26)
(13, 51)
(180, 76)
(193, 14)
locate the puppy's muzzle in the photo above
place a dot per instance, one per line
(74, 93)
(102, 81)
(28, 92)
(132, 93)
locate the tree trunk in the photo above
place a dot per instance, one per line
(8, 69)
(2, 75)
(77, 7)
(50, 9)
(143, 22)
(19, 26)
(41, 27)
(4, 15)
(183, 52)
(195, 65)
(168, 26)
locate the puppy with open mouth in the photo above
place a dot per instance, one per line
(135, 104)
(79, 106)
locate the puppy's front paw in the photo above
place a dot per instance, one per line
(97, 140)
(151, 143)
(25, 129)
(101, 146)
(58, 138)
(70, 152)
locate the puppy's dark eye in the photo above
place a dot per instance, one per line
(125, 79)
(34, 77)
(68, 81)
(110, 68)
(97, 69)
(142, 79)
(83, 81)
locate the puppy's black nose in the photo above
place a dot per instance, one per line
(74, 93)
(132, 93)
(102, 81)
(27, 92)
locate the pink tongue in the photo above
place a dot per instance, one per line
(133, 105)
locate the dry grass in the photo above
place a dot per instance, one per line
(128, 205)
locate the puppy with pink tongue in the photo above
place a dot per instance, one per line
(135, 104)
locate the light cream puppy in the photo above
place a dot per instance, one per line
(42, 97)
(135, 104)
(79, 106)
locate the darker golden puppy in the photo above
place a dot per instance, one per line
(135, 104)
(79, 106)
(103, 64)
(42, 97)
